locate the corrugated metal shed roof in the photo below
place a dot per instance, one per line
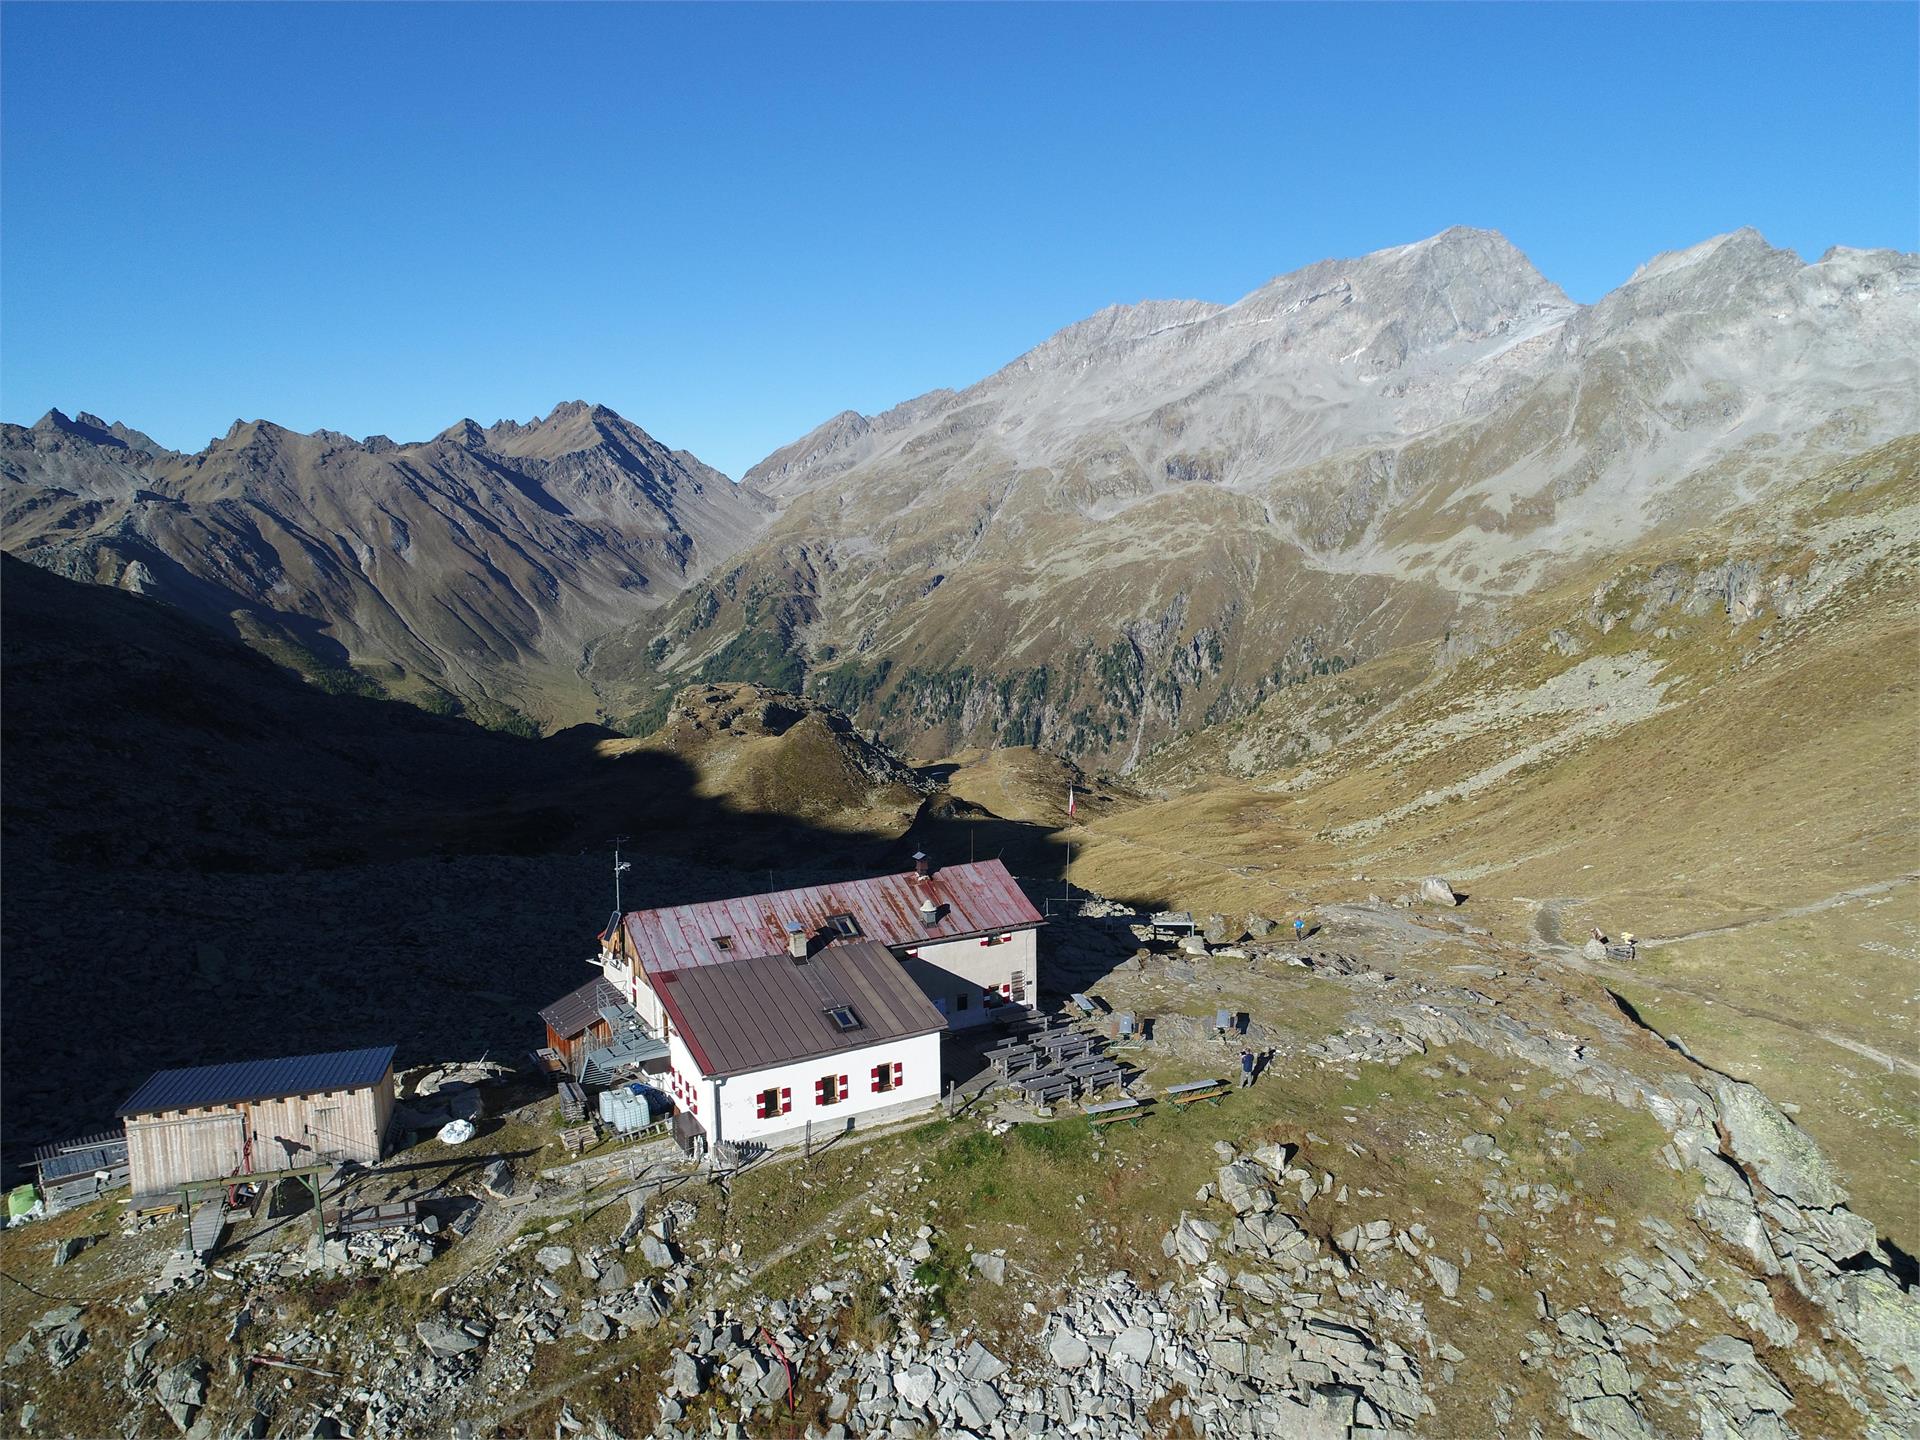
(974, 899)
(259, 1080)
(750, 1014)
(83, 1162)
(571, 1014)
(79, 1142)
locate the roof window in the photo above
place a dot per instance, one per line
(843, 1017)
(723, 943)
(843, 925)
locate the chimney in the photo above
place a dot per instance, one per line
(797, 941)
(922, 866)
(929, 912)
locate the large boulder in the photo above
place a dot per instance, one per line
(1243, 1186)
(1879, 1317)
(1067, 1350)
(444, 1340)
(183, 1390)
(1771, 1146)
(1608, 1417)
(1435, 891)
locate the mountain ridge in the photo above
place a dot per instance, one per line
(1427, 429)
(466, 571)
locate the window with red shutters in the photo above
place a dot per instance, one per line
(829, 1089)
(768, 1104)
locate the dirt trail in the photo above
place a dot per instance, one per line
(1547, 933)
(1858, 892)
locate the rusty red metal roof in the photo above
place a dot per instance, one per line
(772, 1010)
(979, 898)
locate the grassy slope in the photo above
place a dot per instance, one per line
(1782, 776)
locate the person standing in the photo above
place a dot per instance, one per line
(1299, 929)
(1246, 1068)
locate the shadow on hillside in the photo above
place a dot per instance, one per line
(209, 860)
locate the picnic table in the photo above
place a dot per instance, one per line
(1048, 1087)
(1125, 1111)
(1096, 1073)
(1066, 1044)
(1194, 1091)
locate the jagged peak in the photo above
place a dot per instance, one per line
(465, 432)
(1744, 244)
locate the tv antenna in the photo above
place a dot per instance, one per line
(619, 866)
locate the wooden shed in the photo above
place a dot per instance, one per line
(71, 1172)
(579, 1022)
(258, 1117)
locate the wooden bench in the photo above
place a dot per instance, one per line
(1127, 1111)
(1083, 1004)
(1194, 1091)
(391, 1215)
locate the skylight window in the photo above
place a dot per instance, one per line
(843, 1016)
(843, 925)
(723, 943)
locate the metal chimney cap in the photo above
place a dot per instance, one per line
(920, 855)
(794, 927)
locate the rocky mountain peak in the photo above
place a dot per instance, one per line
(466, 433)
(1742, 250)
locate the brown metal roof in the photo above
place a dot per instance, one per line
(769, 1010)
(571, 1014)
(975, 899)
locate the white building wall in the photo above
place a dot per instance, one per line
(948, 970)
(726, 1108)
(918, 1058)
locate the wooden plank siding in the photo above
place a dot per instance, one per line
(574, 1048)
(171, 1148)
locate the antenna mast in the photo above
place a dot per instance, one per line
(619, 865)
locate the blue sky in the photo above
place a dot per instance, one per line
(730, 222)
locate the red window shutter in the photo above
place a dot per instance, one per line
(820, 1091)
(760, 1106)
(845, 1089)
(874, 1075)
(896, 1074)
(786, 1099)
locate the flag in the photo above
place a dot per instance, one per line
(1069, 802)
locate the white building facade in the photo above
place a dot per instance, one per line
(776, 1105)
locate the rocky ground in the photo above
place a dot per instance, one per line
(1467, 1194)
